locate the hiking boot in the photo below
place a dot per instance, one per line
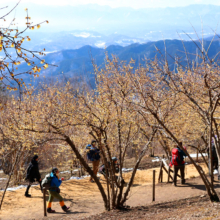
(183, 181)
(27, 195)
(174, 184)
(49, 210)
(65, 209)
(27, 190)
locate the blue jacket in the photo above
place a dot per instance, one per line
(55, 182)
(93, 153)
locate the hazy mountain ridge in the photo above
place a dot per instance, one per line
(77, 39)
(78, 63)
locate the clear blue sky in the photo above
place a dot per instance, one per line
(120, 3)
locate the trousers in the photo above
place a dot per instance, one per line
(182, 173)
(95, 166)
(53, 194)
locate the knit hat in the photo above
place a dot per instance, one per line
(114, 158)
(93, 141)
(54, 170)
(35, 157)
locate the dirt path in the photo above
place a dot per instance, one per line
(85, 199)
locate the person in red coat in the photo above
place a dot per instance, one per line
(179, 164)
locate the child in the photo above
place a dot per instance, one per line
(102, 169)
(114, 160)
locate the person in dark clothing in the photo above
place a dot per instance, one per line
(179, 163)
(102, 169)
(214, 156)
(33, 174)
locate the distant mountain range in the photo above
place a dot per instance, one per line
(77, 33)
(78, 63)
(76, 39)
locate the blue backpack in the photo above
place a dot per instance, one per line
(92, 153)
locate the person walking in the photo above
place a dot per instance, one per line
(179, 164)
(54, 191)
(93, 155)
(114, 161)
(33, 174)
(214, 155)
(102, 169)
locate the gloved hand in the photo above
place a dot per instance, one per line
(170, 164)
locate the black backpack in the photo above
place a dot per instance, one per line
(29, 171)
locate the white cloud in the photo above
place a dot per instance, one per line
(100, 44)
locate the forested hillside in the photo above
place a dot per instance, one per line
(78, 63)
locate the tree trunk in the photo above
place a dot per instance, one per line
(209, 187)
(88, 169)
(217, 146)
(7, 184)
(135, 169)
(210, 154)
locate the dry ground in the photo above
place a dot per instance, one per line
(198, 208)
(85, 199)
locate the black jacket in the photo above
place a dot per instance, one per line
(102, 169)
(214, 154)
(33, 171)
(181, 153)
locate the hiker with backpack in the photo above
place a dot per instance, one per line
(93, 155)
(33, 174)
(114, 161)
(102, 169)
(52, 182)
(179, 164)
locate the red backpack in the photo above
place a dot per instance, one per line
(176, 157)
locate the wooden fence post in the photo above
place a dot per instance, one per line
(153, 188)
(168, 177)
(44, 196)
(160, 172)
(197, 156)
